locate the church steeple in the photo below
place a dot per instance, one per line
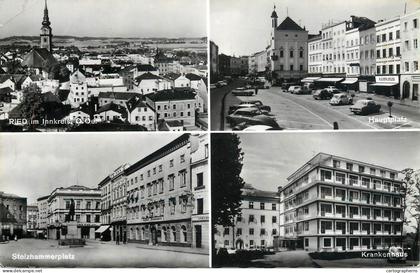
(274, 18)
(46, 31)
(46, 20)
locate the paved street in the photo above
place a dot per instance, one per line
(302, 112)
(100, 254)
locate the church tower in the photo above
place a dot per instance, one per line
(274, 18)
(46, 31)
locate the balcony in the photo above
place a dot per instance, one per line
(355, 216)
(365, 217)
(340, 215)
(327, 232)
(327, 214)
(340, 198)
(339, 232)
(378, 218)
(355, 248)
(378, 232)
(365, 232)
(355, 232)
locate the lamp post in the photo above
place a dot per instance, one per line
(390, 103)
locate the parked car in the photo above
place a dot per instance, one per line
(295, 89)
(396, 254)
(285, 86)
(308, 87)
(213, 86)
(365, 107)
(258, 128)
(260, 120)
(243, 92)
(322, 94)
(233, 108)
(258, 103)
(247, 115)
(333, 90)
(341, 99)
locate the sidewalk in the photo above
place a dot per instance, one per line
(405, 102)
(180, 249)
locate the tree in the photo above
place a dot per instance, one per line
(227, 184)
(31, 108)
(411, 205)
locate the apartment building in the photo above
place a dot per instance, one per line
(315, 54)
(42, 203)
(200, 219)
(258, 225)
(388, 57)
(338, 204)
(31, 217)
(12, 215)
(159, 196)
(410, 56)
(113, 206)
(334, 47)
(87, 211)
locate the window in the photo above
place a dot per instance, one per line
(415, 23)
(262, 231)
(182, 158)
(200, 182)
(415, 43)
(171, 163)
(171, 179)
(251, 231)
(239, 231)
(301, 54)
(361, 169)
(327, 242)
(326, 175)
(262, 205)
(251, 205)
(200, 205)
(88, 218)
(183, 178)
(262, 218)
(397, 34)
(336, 163)
(273, 207)
(274, 219)
(291, 53)
(349, 166)
(251, 218)
(291, 67)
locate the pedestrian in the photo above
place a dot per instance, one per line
(16, 238)
(256, 90)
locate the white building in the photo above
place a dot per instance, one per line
(148, 83)
(410, 55)
(315, 54)
(78, 89)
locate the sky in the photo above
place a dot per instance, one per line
(270, 158)
(107, 18)
(33, 165)
(243, 27)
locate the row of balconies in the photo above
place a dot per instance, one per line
(361, 201)
(349, 216)
(357, 232)
(360, 184)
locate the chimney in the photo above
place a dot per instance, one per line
(96, 107)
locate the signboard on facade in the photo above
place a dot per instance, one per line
(388, 79)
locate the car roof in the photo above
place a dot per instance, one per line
(258, 128)
(249, 109)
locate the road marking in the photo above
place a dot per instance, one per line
(361, 122)
(401, 125)
(324, 120)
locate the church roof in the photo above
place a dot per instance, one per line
(39, 58)
(289, 24)
(274, 14)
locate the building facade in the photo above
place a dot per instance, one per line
(214, 61)
(288, 50)
(388, 57)
(87, 211)
(31, 217)
(159, 196)
(315, 54)
(338, 204)
(258, 225)
(13, 217)
(200, 186)
(410, 56)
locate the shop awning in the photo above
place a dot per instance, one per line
(101, 229)
(329, 80)
(349, 81)
(384, 84)
(310, 79)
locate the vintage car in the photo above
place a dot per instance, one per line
(250, 116)
(322, 94)
(341, 99)
(365, 107)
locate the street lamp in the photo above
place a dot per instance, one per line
(390, 103)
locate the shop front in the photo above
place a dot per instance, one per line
(350, 84)
(325, 82)
(387, 86)
(410, 85)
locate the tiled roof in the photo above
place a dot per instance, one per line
(112, 107)
(289, 24)
(118, 95)
(173, 94)
(39, 58)
(146, 67)
(147, 76)
(192, 77)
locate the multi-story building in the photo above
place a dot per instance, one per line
(87, 211)
(42, 222)
(333, 203)
(315, 54)
(410, 56)
(367, 56)
(288, 50)
(159, 196)
(174, 105)
(334, 48)
(224, 65)
(258, 225)
(12, 215)
(388, 57)
(214, 61)
(78, 89)
(200, 189)
(31, 217)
